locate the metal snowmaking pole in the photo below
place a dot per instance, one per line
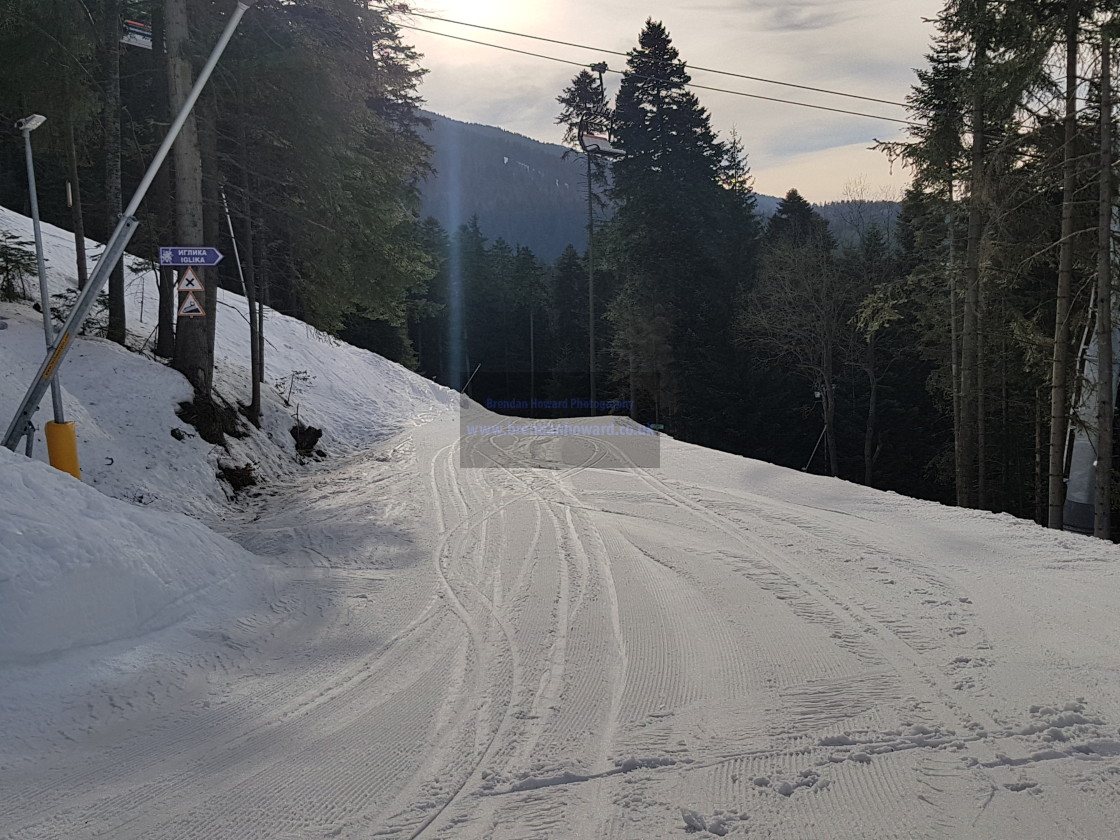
(114, 248)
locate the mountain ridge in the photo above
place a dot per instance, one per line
(534, 194)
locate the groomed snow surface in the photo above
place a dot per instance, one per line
(390, 645)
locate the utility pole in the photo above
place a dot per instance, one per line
(1106, 386)
(599, 68)
(967, 481)
(590, 283)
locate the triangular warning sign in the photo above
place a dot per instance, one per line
(189, 282)
(191, 307)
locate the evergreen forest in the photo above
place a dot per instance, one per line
(935, 347)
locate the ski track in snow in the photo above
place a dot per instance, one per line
(715, 646)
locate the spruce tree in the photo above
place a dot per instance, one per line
(672, 236)
(585, 108)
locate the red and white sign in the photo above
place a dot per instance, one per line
(191, 308)
(188, 281)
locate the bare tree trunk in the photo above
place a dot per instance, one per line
(505, 342)
(254, 319)
(967, 480)
(828, 397)
(1102, 514)
(869, 433)
(111, 112)
(211, 206)
(1039, 463)
(1059, 410)
(264, 299)
(77, 217)
(954, 350)
(192, 345)
(1006, 423)
(633, 386)
(532, 359)
(982, 499)
(590, 282)
(249, 265)
(161, 199)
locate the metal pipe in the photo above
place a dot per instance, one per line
(44, 290)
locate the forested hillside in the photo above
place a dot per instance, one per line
(930, 347)
(305, 142)
(526, 192)
(523, 191)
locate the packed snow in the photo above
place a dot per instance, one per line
(80, 568)
(420, 638)
(125, 406)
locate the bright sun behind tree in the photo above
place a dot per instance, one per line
(479, 11)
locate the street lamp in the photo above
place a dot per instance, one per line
(114, 249)
(593, 145)
(25, 127)
(62, 447)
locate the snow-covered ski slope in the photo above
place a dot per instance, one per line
(143, 570)
(400, 647)
(588, 653)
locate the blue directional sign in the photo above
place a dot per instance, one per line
(183, 255)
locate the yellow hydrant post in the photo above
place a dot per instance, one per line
(62, 448)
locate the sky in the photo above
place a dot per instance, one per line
(867, 47)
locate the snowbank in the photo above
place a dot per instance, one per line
(124, 403)
(78, 568)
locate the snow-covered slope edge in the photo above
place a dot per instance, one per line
(78, 568)
(125, 402)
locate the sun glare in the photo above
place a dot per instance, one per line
(489, 12)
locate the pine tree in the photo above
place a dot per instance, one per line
(568, 308)
(1059, 388)
(585, 108)
(673, 236)
(795, 221)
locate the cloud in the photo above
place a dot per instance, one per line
(860, 46)
(823, 175)
(783, 15)
(801, 17)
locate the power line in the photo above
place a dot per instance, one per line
(690, 84)
(495, 46)
(691, 66)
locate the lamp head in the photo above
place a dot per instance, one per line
(30, 123)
